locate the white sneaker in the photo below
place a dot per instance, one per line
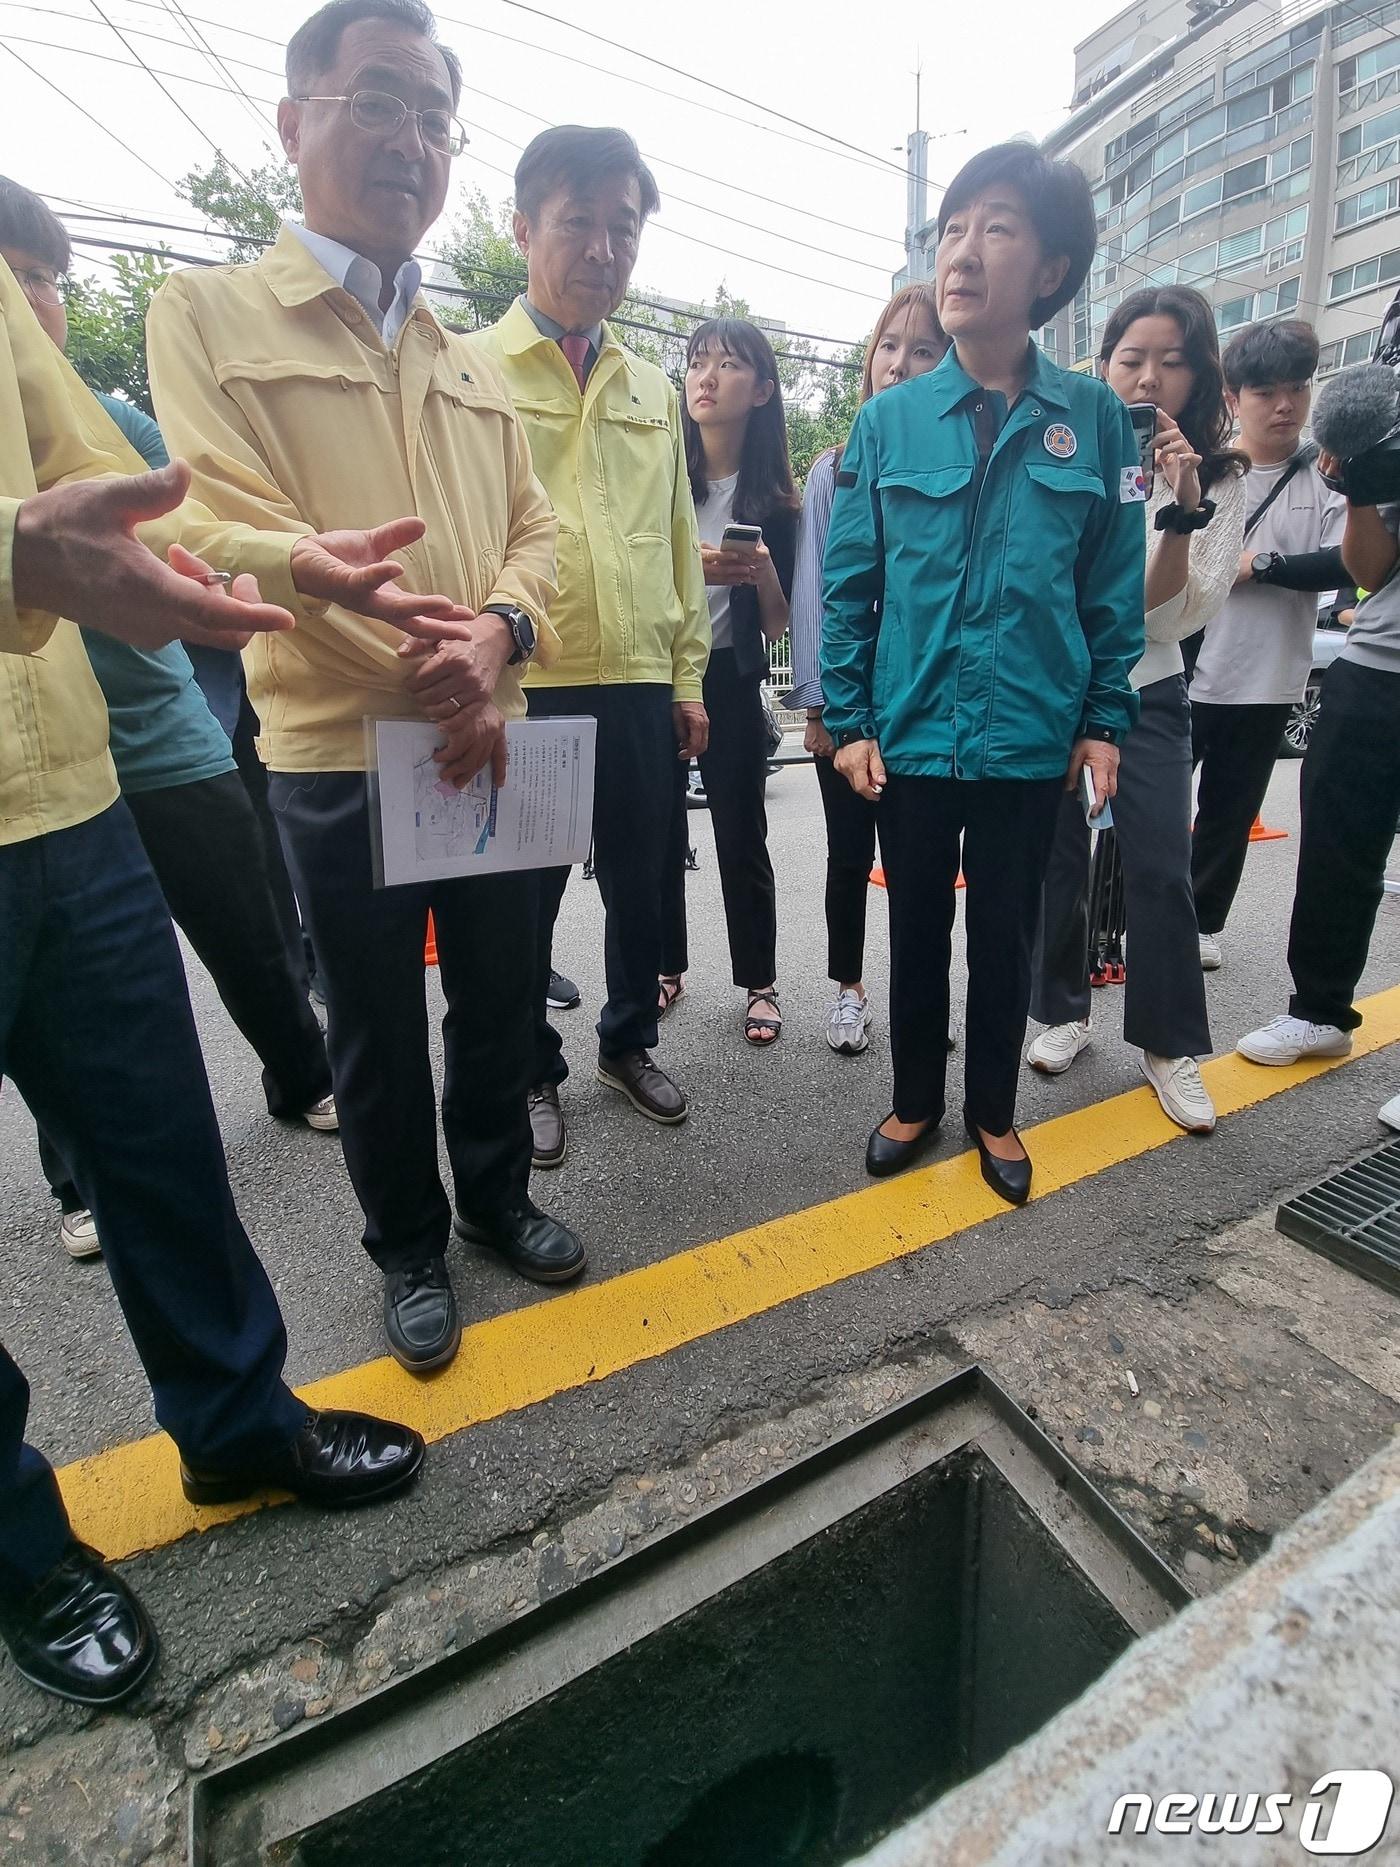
(848, 1024)
(1057, 1047)
(322, 1116)
(1211, 956)
(78, 1235)
(1294, 1040)
(1182, 1094)
(1389, 1112)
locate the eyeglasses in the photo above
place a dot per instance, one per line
(40, 286)
(379, 114)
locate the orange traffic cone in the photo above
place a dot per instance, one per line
(430, 947)
(877, 877)
(1259, 832)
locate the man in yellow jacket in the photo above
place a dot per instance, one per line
(96, 1030)
(318, 381)
(631, 613)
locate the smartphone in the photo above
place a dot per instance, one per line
(741, 540)
(1088, 798)
(1143, 416)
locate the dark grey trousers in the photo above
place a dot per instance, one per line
(1165, 996)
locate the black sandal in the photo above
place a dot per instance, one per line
(758, 1031)
(671, 987)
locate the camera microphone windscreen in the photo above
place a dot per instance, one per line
(1356, 409)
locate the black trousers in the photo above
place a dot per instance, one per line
(369, 949)
(1236, 749)
(1006, 829)
(207, 851)
(255, 781)
(1351, 802)
(850, 855)
(735, 770)
(97, 1035)
(1164, 1008)
(633, 797)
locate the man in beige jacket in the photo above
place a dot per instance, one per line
(318, 381)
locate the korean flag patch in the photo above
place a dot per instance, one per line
(1132, 487)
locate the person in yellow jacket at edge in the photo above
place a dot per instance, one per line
(96, 1031)
(317, 376)
(632, 615)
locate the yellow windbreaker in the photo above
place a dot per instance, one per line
(631, 605)
(54, 767)
(273, 383)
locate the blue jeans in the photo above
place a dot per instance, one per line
(97, 1035)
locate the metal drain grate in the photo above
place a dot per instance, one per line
(1353, 1218)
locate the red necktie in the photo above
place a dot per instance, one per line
(576, 347)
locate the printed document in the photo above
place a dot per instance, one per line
(540, 818)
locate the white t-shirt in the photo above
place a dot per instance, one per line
(1258, 650)
(713, 513)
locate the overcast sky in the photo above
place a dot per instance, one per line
(991, 69)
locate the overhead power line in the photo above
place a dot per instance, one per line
(34, 72)
(448, 291)
(215, 61)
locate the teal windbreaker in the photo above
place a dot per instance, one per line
(978, 616)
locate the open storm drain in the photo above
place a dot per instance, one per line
(778, 1681)
(1353, 1217)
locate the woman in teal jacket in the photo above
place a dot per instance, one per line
(983, 609)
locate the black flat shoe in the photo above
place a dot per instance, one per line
(530, 1241)
(884, 1156)
(80, 1632)
(337, 1459)
(1009, 1179)
(421, 1323)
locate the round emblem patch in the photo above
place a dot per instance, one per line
(1060, 441)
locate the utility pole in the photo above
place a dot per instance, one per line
(916, 160)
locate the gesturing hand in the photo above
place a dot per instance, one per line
(692, 725)
(863, 769)
(75, 555)
(470, 742)
(354, 569)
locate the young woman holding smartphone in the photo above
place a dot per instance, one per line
(737, 453)
(1159, 347)
(907, 341)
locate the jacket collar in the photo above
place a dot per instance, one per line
(950, 384)
(519, 333)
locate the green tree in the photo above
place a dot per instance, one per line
(107, 327)
(250, 211)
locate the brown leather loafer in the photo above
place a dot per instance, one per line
(549, 1136)
(648, 1088)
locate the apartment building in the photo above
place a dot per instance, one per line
(1250, 148)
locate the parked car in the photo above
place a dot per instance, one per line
(1328, 638)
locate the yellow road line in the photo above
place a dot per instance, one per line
(128, 1498)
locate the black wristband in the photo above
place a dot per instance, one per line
(1173, 519)
(1108, 734)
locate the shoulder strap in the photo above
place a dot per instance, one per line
(1304, 457)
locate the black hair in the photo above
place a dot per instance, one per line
(1285, 351)
(765, 472)
(577, 156)
(1205, 420)
(1059, 203)
(315, 45)
(31, 225)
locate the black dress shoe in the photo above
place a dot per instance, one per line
(1009, 1179)
(536, 1245)
(648, 1088)
(884, 1156)
(549, 1138)
(336, 1459)
(80, 1632)
(420, 1315)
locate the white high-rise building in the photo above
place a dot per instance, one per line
(1250, 148)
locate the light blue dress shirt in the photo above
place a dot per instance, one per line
(364, 281)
